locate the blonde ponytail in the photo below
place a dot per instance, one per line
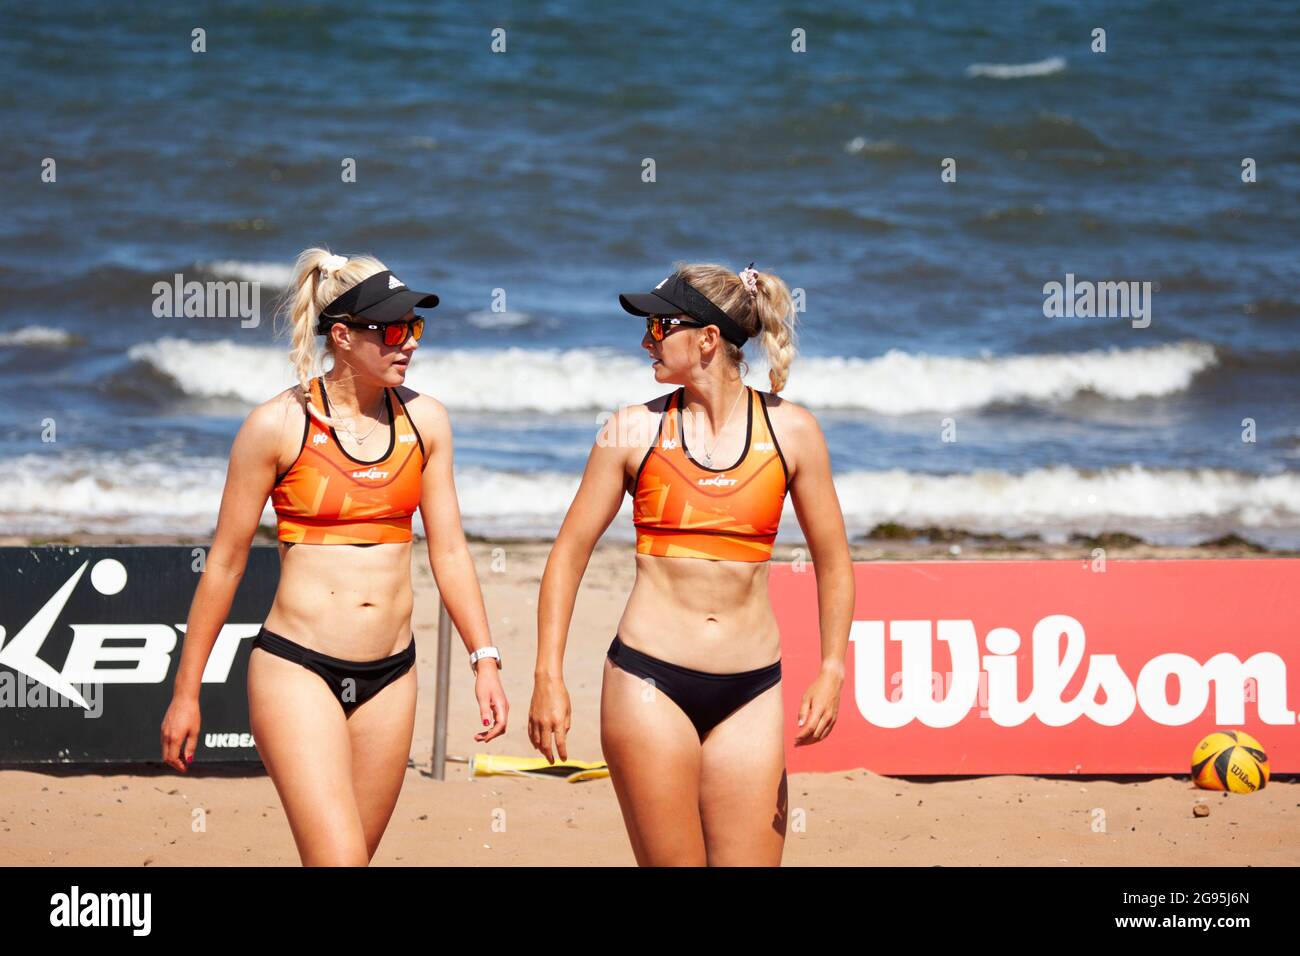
(777, 319)
(320, 277)
(766, 313)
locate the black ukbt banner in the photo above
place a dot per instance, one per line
(90, 639)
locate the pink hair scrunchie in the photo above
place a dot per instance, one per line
(749, 277)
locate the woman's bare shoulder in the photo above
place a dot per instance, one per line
(788, 415)
(640, 419)
(429, 415)
(795, 428)
(263, 433)
(277, 412)
(651, 408)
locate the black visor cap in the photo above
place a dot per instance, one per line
(381, 298)
(676, 296)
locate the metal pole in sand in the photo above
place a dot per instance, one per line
(442, 683)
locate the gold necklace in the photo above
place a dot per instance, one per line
(708, 455)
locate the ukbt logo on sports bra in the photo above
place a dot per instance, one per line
(718, 480)
(371, 474)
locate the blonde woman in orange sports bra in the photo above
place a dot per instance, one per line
(691, 719)
(346, 458)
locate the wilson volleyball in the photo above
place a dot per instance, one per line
(1230, 760)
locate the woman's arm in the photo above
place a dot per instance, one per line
(453, 565)
(250, 476)
(594, 506)
(818, 509)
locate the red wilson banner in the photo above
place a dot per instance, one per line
(1049, 666)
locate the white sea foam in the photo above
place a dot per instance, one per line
(1015, 71)
(145, 493)
(1064, 496)
(37, 336)
(487, 319)
(275, 274)
(896, 383)
(861, 144)
(901, 382)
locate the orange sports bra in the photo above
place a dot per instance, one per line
(329, 497)
(682, 509)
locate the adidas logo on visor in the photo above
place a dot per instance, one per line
(395, 283)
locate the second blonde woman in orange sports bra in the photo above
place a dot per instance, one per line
(691, 720)
(346, 458)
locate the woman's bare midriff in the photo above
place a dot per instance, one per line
(345, 601)
(712, 616)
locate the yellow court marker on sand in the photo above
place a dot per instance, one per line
(574, 771)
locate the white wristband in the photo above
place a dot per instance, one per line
(481, 653)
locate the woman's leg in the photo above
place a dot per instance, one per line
(653, 754)
(743, 785)
(381, 730)
(302, 737)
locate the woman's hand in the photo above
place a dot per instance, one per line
(180, 729)
(820, 706)
(492, 707)
(549, 715)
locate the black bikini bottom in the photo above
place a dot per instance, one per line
(352, 682)
(707, 699)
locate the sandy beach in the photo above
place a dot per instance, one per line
(1011, 272)
(72, 817)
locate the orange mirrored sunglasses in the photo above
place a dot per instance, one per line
(655, 325)
(395, 333)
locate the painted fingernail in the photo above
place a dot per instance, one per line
(485, 721)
